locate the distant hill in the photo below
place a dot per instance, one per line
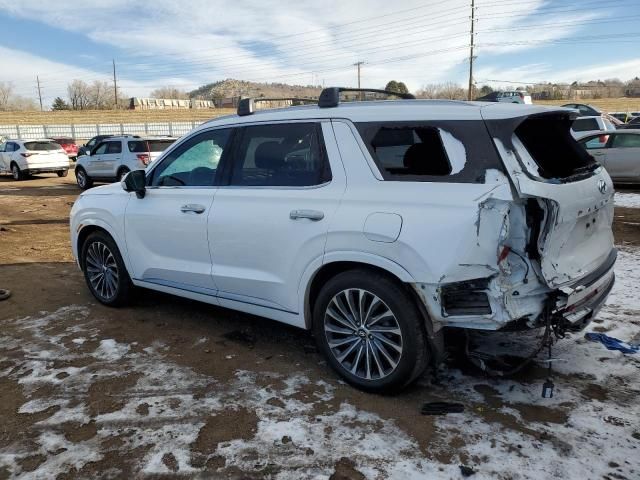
(234, 88)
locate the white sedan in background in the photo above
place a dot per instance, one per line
(22, 158)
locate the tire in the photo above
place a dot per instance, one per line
(122, 172)
(17, 173)
(403, 327)
(104, 270)
(62, 173)
(83, 180)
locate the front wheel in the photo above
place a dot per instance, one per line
(62, 173)
(370, 330)
(104, 270)
(83, 180)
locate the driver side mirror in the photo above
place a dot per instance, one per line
(135, 181)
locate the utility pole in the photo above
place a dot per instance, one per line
(473, 21)
(115, 83)
(39, 91)
(358, 64)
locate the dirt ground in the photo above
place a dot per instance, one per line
(170, 388)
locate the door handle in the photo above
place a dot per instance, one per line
(192, 208)
(314, 215)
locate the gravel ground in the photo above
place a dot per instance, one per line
(171, 388)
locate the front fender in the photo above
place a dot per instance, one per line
(87, 214)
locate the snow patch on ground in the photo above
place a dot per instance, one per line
(627, 200)
(303, 429)
(110, 350)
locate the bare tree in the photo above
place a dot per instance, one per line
(169, 92)
(12, 101)
(6, 89)
(100, 95)
(448, 90)
(428, 91)
(79, 94)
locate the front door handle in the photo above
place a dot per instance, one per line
(314, 215)
(192, 208)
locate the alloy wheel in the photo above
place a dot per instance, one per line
(81, 178)
(102, 270)
(363, 334)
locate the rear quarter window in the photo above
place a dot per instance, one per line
(448, 151)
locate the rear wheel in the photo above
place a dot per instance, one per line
(62, 173)
(104, 270)
(370, 330)
(83, 180)
(16, 172)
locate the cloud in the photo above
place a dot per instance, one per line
(191, 42)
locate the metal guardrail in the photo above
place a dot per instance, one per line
(86, 131)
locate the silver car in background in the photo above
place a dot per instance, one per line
(618, 152)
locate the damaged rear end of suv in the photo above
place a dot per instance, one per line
(543, 253)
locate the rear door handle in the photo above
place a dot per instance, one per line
(314, 215)
(192, 208)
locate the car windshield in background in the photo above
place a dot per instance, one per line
(140, 146)
(64, 140)
(41, 146)
(585, 125)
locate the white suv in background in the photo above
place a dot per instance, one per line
(375, 224)
(114, 157)
(22, 158)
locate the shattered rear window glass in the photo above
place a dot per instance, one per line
(430, 151)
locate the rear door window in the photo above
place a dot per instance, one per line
(114, 147)
(626, 141)
(599, 141)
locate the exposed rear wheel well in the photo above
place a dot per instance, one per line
(329, 271)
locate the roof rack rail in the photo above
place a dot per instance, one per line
(330, 97)
(246, 106)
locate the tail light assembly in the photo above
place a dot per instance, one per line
(144, 158)
(27, 154)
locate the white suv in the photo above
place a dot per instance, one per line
(375, 224)
(114, 157)
(22, 158)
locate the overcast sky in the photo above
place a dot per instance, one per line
(191, 42)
